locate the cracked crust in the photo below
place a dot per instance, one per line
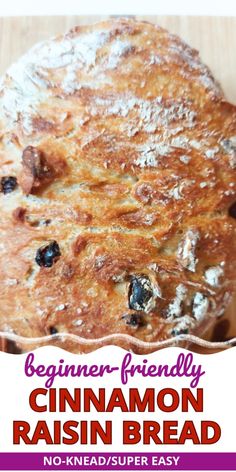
(124, 150)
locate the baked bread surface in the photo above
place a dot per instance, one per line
(117, 168)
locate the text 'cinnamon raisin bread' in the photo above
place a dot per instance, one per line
(117, 187)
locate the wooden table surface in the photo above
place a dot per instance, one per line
(214, 37)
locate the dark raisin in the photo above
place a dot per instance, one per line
(179, 331)
(19, 214)
(134, 319)
(8, 184)
(53, 330)
(220, 331)
(12, 347)
(140, 292)
(47, 255)
(232, 210)
(47, 222)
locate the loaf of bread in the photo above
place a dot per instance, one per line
(118, 189)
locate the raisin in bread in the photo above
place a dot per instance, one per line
(118, 190)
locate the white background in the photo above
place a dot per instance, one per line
(142, 7)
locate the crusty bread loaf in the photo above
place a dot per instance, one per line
(118, 189)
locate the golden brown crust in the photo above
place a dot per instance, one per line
(124, 150)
